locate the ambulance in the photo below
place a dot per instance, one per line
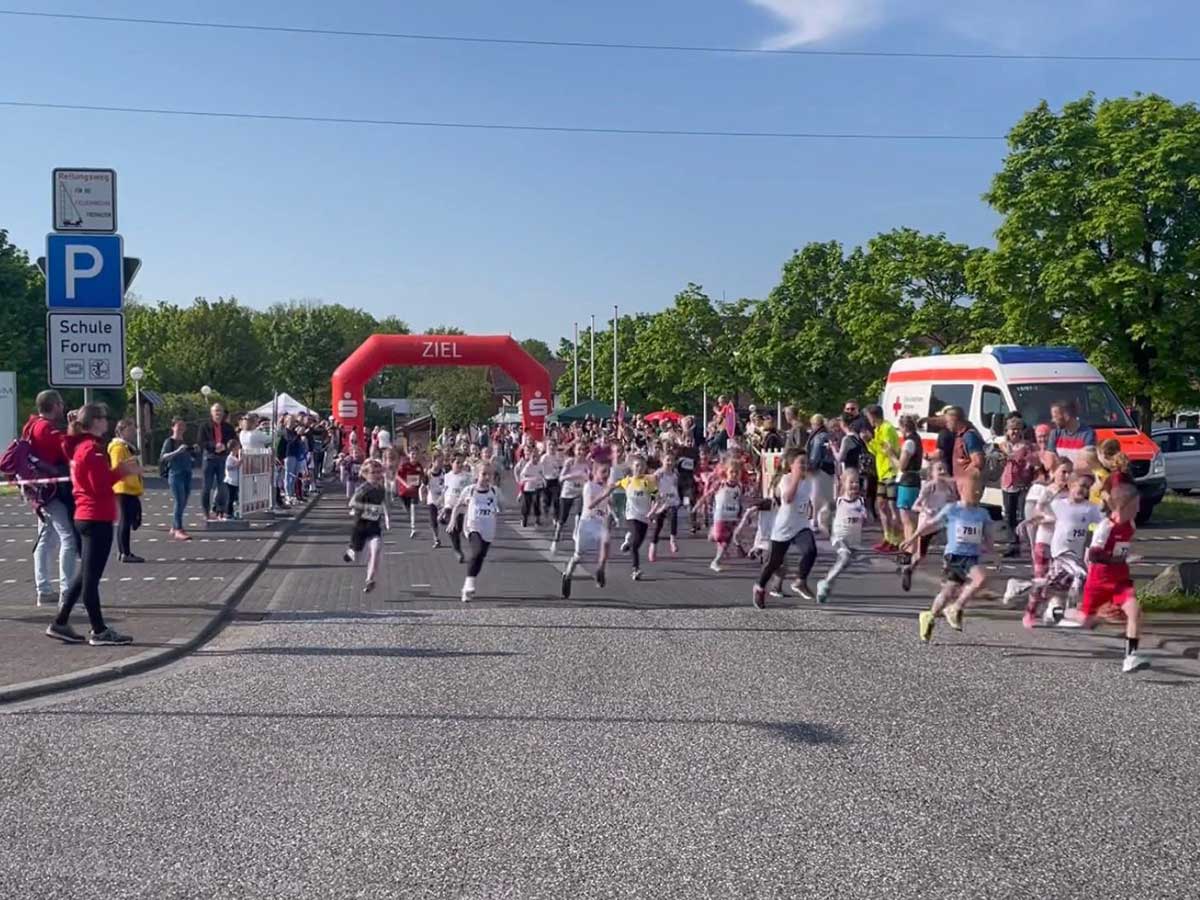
(1001, 380)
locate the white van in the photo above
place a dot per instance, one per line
(1001, 380)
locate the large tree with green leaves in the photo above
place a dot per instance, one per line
(1101, 235)
(22, 322)
(460, 395)
(304, 344)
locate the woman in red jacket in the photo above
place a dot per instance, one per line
(92, 480)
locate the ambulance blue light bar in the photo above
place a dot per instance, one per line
(1013, 355)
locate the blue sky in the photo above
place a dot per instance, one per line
(528, 232)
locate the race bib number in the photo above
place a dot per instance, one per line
(483, 511)
(687, 464)
(372, 512)
(1078, 534)
(968, 535)
(1121, 551)
(413, 481)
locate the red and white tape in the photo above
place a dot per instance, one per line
(22, 483)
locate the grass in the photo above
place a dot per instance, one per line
(1177, 510)
(1178, 602)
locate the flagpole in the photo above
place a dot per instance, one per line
(592, 359)
(575, 361)
(614, 339)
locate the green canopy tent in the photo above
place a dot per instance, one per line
(577, 413)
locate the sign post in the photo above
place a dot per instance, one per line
(8, 408)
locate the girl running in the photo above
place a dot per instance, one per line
(552, 466)
(1073, 517)
(458, 479)
(531, 483)
(370, 510)
(409, 475)
(725, 490)
(482, 506)
(936, 494)
(433, 493)
(849, 517)
(1039, 529)
(667, 505)
(591, 531)
(574, 476)
(793, 525)
(639, 489)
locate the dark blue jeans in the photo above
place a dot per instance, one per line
(181, 486)
(214, 476)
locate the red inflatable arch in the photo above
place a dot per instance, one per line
(380, 350)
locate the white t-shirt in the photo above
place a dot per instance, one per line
(727, 503)
(455, 483)
(762, 531)
(233, 470)
(1073, 524)
(591, 490)
(848, 522)
(435, 490)
(668, 488)
(253, 438)
(1045, 531)
(482, 510)
(1033, 496)
(552, 466)
(570, 487)
(794, 516)
(530, 476)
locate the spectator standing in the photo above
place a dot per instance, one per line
(46, 436)
(852, 416)
(213, 439)
(796, 436)
(128, 490)
(176, 460)
(772, 440)
(966, 446)
(1069, 438)
(93, 477)
(1019, 457)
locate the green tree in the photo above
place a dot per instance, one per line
(793, 347)
(304, 344)
(22, 322)
(632, 388)
(1101, 233)
(539, 350)
(460, 395)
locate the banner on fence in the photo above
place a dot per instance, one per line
(258, 466)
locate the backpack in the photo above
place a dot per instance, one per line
(20, 463)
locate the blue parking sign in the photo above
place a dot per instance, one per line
(84, 271)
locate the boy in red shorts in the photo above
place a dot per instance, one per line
(1108, 580)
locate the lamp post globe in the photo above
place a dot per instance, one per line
(137, 373)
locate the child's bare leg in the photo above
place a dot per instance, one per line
(374, 546)
(978, 579)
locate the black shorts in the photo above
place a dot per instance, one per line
(363, 531)
(407, 501)
(956, 569)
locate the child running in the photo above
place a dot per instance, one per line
(792, 525)
(409, 475)
(1042, 492)
(667, 505)
(639, 489)
(1073, 517)
(369, 508)
(575, 475)
(531, 482)
(725, 490)
(936, 494)
(433, 493)
(591, 531)
(482, 505)
(458, 479)
(1109, 583)
(849, 516)
(968, 536)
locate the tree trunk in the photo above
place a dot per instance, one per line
(1145, 412)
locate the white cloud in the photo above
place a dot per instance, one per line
(808, 21)
(1014, 24)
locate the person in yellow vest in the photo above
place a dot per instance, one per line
(128, 490)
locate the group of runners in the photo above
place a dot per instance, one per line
(591, 481)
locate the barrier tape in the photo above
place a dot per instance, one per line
(19, 482)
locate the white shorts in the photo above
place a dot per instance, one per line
(590, 536)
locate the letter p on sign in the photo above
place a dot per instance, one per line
(85, 271)
(94, 266)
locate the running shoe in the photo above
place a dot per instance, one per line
(566, 586)
(759, 598)
(953, 616)
(108, 637)
(601, 578)
(715, 566)
(925, 623)
(906, 579)
(1133, 662)
(348, 556)
(436, 544)
(625, 544)
(636, 574)
(412, 534)
(47, 600)
(130, 558)
(1029, 620)
(674, 546)
(1053, 615)
(368, 587)
(823, 591)
(651, 554)
(777, 591)
(64, 633)
(1012, 590)
(801, 590)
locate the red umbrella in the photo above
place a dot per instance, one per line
(663, 415)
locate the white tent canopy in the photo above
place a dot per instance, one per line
(287, 405)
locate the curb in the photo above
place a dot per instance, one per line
(229, 599)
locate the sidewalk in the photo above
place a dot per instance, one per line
(182, 590)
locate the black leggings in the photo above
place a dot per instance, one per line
(433, 519)
(553, 490)
(479, 549)
(531, 501)
(129, 509)
(1014, 509)
(231, 499)
(637, 534)
(670, 514)
(96, 540)
(454, 529)
(805, 543)
(566, 505)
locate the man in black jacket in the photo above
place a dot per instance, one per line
(215, 435)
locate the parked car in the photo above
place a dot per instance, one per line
(1181, 450)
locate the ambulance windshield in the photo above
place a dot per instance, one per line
(1095, 401)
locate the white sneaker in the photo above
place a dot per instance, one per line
(625, 544)
(715, 566)
(636, 574)
(468, 591)
(1012, 591)
(1133, 662)
(1053, 615)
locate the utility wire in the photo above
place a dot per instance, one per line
(605, 45)
(504, 126)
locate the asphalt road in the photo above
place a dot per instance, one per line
(415, 748)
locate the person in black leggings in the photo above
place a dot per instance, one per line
(92, 481)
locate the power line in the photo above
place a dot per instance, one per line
(504, 126)
(605, 45)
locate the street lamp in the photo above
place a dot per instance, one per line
(206, 390)
(137, 373)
